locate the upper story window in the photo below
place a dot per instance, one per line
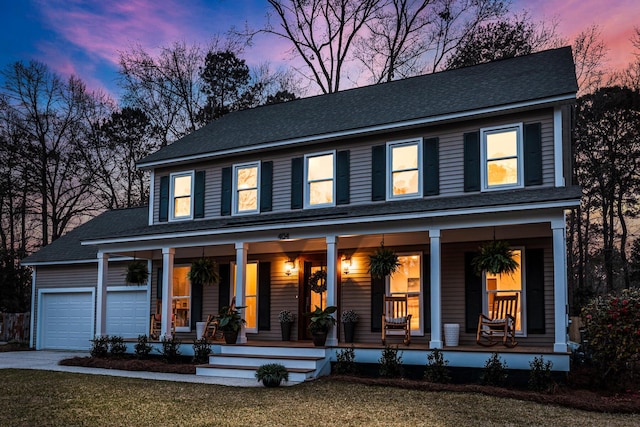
(181, 196)
(404, 169)
(501, 152)
(245, 188)
(320, 183)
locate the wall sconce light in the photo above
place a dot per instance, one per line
(346, 264)
(289, 266)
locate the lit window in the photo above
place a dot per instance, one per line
(245, 184)
(181, 195)
(181, 299)
(505, 285)
(320, 182)
(405, 161)
(501, 152)
(407, 280)
(250, 309)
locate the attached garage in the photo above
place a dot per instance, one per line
(127, 312)
(66, 319)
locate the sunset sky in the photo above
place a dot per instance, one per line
(84, 37)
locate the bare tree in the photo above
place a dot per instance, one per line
(589, 51)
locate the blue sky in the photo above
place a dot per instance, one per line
(84, 37)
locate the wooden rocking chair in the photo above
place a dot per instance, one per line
(501, 326)
(396, 317)
(155, 326)
(211, 331)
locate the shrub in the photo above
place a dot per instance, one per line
(170, 349)
(346, 361)
(391, 363)
(437, 371)
(495, 371)
(540, 375)
(201, 351)
(142, 348)
(117, 347)
(612, 324)
(272, 374)
(100, 346)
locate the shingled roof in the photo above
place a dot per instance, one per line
(524, 79)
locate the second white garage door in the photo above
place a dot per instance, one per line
(127, 312)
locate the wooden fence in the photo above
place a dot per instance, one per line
(15, 326)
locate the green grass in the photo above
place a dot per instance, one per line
(42, 398)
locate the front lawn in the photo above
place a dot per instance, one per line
(45, 398)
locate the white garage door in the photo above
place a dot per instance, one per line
(127, 313)
(66, 320)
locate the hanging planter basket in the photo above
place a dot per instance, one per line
(384, 262)
(203, 272)
(495, 257)
(137, 273)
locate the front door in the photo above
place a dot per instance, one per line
(312, 292)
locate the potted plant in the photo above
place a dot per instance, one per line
(384, 262)
(349, 320)
(137, 273)
(495, 257)
(230, 322)
(203, 272)
(272, 374)
(286, 319)
(321, 321)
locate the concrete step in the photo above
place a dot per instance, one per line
(256, 360)
(249, 372)
(303, 351)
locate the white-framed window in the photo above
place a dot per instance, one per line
(181, 298)
(181, 196)
(501, 157)
(246, 188)
(251, 295)
(505, 285)
(404, 169)
(407, 280)
(320, 182)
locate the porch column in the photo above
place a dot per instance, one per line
(332, 279)
(241, 284)
(436, 315)
(167, 291)
(101, 294)
(560, 284)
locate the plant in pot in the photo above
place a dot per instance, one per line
(495, 257)
(383, 262)
(272, 374)
(321, 321)
(230, 322)
(203, 272)
(286, 319)
(137, 273)
(349, 319)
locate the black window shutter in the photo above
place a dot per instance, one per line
(377, 302)
(378, 174)
(224, 289)
(533, 154)
(297, 182)
(426, 292)
(472, 294)
(163, 211)
(266, 186)
(225, 201)
(342, 176)
(534, 259)
(472, 161)
(198, 194)
(431, 164)
(196, 304)
(159, 287)
(264, 296)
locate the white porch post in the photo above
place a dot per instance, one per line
(241, 284)
(101, 294)
(436, 309)
(167, 291)
(332, 279)
(560, 284)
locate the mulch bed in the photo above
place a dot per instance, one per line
(577, 398)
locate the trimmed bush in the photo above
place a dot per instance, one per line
(346, 361)
(170, 349)
(540, 375)
(142, 348)
(436, 370)
(391, 363)
(100, 346)
(495, 371)
(201, 351)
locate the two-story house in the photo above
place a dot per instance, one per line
(432, 166)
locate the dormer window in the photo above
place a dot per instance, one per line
(181, 191)
(245, 188)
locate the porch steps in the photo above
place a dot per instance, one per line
(242, 361)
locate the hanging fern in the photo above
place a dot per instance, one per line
(495, 257)
(384, 262)
(203, 272)
(137, 273)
